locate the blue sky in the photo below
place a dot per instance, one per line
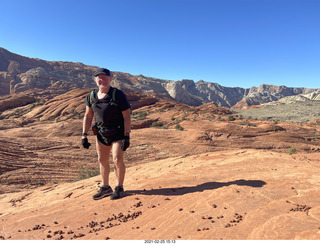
(240, 43)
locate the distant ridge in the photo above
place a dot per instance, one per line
(19, 73)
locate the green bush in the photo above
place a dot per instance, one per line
(157, 124)
(141, 115)
(87, 172)
(251, 124)
(179, 127)
(292, 150)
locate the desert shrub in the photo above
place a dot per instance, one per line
(141, 115)
(231, 118)
(209, 117)
(251, 124)
(179, 127)
(292, 150)
(208, 136)
(87, 172)
(76, 114)
(38, 183)
(157, 124)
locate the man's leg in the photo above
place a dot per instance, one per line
(120, 168)
(103, 158)
(103, 152)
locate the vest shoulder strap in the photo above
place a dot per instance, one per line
(91, 97)
(113, 95)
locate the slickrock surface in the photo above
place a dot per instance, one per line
(234, 194)
(193, 173)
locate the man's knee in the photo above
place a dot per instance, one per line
(103, 160)
(103, 153)
(118, 161)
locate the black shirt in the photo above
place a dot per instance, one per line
(108, 113)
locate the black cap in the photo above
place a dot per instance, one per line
(102, 71)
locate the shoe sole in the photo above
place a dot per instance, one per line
(103, 196)
(121, 195)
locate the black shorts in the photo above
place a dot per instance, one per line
(110, 139)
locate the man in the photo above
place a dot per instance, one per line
(111, 110)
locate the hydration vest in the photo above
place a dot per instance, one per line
(113, 98)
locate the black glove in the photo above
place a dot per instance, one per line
(85, 143)
(125, 143)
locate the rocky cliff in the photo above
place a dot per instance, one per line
(18, 73)
(269, 93)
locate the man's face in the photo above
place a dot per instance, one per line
(102, 80)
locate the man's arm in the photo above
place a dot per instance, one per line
(87, 121)
(127, 121)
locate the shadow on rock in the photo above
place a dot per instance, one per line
(198, 188)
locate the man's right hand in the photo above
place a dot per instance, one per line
(125, 143)
(85, 143)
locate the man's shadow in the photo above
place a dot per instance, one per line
(199, 188)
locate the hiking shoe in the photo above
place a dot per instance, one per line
(118, 193)
(103, 192)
